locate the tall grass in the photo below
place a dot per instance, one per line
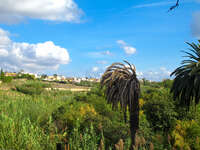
(25, 121)
(32, 87)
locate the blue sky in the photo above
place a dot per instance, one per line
(82, 38)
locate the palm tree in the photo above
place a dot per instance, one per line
(186, 85)
(122, 87)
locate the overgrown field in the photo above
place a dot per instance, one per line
(32, 118)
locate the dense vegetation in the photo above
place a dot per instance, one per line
(86, 121)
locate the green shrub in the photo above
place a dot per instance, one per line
(86, 140)
(32, 88)
(91, 108)
(186, 135)
(7, 79)
(160, 111)
(25, 76)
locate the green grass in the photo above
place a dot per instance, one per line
(25, 121)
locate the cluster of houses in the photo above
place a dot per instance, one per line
(70, 79)
(55, 77)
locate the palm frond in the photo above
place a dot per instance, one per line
(186, 85)
(121, 84)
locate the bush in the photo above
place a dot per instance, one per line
(32, 88)
(25, 76)
(92, 108)
(7, 79)
(186, 135)
(160, 111)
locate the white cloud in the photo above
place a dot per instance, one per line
(128, 49)
(4, 39)
(95, 69)
(155, 75)
(12, 11)
(121, 42)
(3, 53)
(30, 57)
(195, 26)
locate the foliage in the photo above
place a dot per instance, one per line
(91, 108)
(145, 130)
(186, 135)
(66, 116)
(25, 76)
(86, 121)
(21, 135)
(5, 79)
(32, 87)
(186, 85)
(160, 110)
(25, 121)
(167, 83)
(2, 74)
(86, 140)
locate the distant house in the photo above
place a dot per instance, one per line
(50, 78)
(83, 79)
(63, 78)
(58, 78)
(77, 80)
(69, 79)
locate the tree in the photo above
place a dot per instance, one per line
(2, 75)
(55, 75)
(44, 76)
(122, 87)
(186, 85)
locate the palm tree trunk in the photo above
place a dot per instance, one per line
(134, 121)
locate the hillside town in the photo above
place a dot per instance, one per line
(55, 77)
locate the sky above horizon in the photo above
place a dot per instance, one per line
(81, 38)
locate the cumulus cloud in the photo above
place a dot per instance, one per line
(195, 26)
(154, 75)
(12, 11)
(30, 57)
(127, 49)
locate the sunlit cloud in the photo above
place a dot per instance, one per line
(127, 49)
